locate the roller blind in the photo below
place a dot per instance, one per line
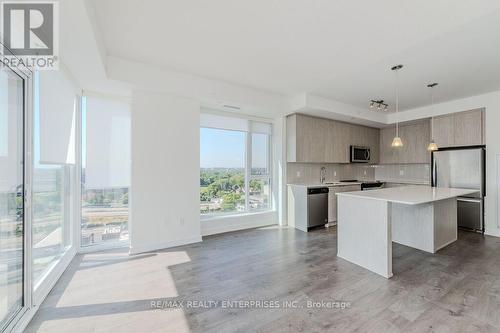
(211, 120)
(107, 151)
(57, 103)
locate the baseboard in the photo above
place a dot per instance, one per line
(163, 245)
(236, 227)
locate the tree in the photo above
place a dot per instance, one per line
(205, 194)
(229, 201)
(124, 198)
(255, 186)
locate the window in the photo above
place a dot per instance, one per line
(105, 170)
(235, 165)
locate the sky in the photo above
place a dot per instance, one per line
(226, 149)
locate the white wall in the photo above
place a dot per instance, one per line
(165, 172)
(211, 93)
(491, 103)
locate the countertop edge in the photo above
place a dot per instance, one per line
(412, 203)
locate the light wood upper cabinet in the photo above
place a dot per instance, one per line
(443, 131)
(388, 155)
(318, 140)
(468, 128)
(460, 129)
(339, 137)
(415, 137)
(374, 140)
(311, 135)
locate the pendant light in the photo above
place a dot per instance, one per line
(396, 142)
(432, 145)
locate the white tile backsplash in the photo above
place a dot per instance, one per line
(418, 173)
(310, 172)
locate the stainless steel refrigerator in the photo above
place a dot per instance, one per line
(463, 168)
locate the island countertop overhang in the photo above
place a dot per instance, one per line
(411, 195)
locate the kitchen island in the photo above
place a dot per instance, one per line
(421, 217)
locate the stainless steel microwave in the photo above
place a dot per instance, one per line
(360, 154)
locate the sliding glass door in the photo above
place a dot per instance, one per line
(12, 228)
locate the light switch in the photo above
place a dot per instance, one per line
(401, 172)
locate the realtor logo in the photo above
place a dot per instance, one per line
(30, 33)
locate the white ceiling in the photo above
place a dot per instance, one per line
(338, 49)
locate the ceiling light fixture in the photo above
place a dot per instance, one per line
(379, 103)
(396, 142)
(432, 145)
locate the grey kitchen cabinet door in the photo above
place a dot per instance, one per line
(468, 128)
(374, 144)
(310, 139)
(317, 140)
(332, 199)
(459, 129)
(291, 138)
(332, 205)
(415, 137)
(444, 131)
(388, 155)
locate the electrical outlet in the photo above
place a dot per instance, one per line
(335, 174)
(364, 172)
(298, 173)
(401, 172)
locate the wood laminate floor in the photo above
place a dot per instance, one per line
(455, 290)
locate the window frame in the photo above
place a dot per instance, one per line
(248, 168)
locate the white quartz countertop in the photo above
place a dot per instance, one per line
(411, 195)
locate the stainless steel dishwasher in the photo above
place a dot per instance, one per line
(317, 206)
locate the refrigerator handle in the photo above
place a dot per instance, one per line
(433, 172)
(483, 172)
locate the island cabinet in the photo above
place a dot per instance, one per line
(415, 137)
(318, 140)
(460, 129)
(332, 200)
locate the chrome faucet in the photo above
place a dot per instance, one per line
(322, 175)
